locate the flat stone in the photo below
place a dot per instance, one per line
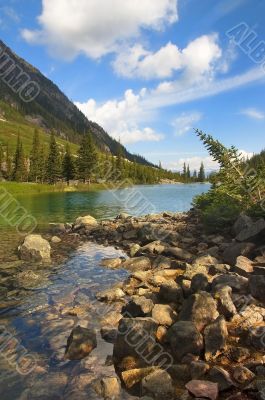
(178, 253)
(205, 389)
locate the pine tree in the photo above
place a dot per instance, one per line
(201, 175)
(53, 168)
(8, 162)
(188, 172)
(42, 164)
(87, 158)
(119, 163)
(195, 175)
(68, 167)
(1, 160)
(19, 173)
(34, 171)
(184, 171)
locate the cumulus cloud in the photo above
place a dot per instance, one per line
(197, 59)
(253, 113)
(122, 119)
(184, 122)
(97, 27)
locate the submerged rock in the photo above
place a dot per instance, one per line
(80, 343)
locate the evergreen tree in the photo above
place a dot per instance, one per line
(119, 163)
(19, 173)
(201, 175)
(8, 162)
(188, 172)
(184, 174)
(195, 175)
(68, 167)
(87, 158)
(42, 164)
(1, 160)
(34, 171)
(53, 167)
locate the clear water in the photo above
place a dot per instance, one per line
(35, 317)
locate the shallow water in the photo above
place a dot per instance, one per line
(38, 323)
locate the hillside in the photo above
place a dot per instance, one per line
(51, 109)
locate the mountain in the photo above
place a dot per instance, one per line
(51, 109)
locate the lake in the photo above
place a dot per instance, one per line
(36, 318)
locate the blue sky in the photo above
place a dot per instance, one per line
(149, 71)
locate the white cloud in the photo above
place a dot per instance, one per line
(197, 59)
(122, 119)
(184, 122)
(253, 113)
(97, 27)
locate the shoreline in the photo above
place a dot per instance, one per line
(183, 283)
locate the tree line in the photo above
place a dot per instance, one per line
(58, 163)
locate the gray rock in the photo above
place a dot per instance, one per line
(257, 286)
(243, 375)
(180, 372)
(195, 269)
(221, 377)
(178, 253)
(57, 229)
(256, 337)
(55, 240)
(235, 250)
(239, 284)
(199, 369)
(164, 315)
(159, 385)
(137, 264)
(35, 248)
(215, 335)
(156, 247)
(129, 235)
(251, 232)
(108, 388)
(243, 266)
(139, 306)
(204, 389)
(136, 339)
(184, 338)
(200, 308)
(112, 263)
(134, 248)
(199, 282)
(225, 303)
(85, 222)
(171, 292)
(242, 223)
(205, 260)
(110, 295)
(80, 343)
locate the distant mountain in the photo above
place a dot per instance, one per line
(50, 109)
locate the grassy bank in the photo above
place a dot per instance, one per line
(15, 188)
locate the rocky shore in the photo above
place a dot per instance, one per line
(189, 321)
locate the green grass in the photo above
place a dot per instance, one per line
(20, 189)
(15, 123)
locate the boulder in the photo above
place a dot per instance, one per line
(215, 336)
(139, 306)
(57, 228)
(156, 247)
(85, 222)
(200, 308)
(194, 269)
(184, 338)
(235, 250)
(135, 376)
(243, 266)
(178, 253)
(171, 292)
(110, 295)
(35, 248)
(239, 284)
(80, 343)
(252, 232)
(137, 264)
(159, 385)
(243, 375)
(198, 369)
(108, 388)
(112, 263)
(199, 282)
(257, 286)
(134, 248)
(205, 389)
(164, 315)
(220, 376)
(180, 372)
(242, 223)
(136, 341)
(225, 304)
